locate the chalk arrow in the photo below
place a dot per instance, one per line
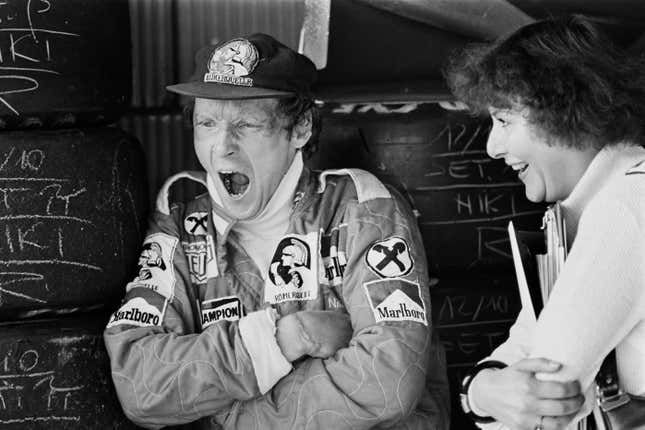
(12, 278)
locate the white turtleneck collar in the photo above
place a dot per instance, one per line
(612, 160)
(260, 234)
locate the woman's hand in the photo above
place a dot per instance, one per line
(514, 397)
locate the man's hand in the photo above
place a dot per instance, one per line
(514, 397)
(315, 333)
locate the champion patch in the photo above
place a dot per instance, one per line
(293, 272)
(396, 300)
(195, 223)
(231, 62)
(202, 263)
(221, 309)
(637, 169)
(156, 270)
(138, 312)
(390, 258)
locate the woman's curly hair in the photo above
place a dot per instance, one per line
(579, 87)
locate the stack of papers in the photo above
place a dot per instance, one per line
(555, 237)
(537, 273)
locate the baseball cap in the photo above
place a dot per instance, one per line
(254, 66)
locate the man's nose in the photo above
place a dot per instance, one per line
(223, 143)
(495, 146)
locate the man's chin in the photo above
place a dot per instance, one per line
(241, 209)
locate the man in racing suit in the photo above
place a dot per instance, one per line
(239, 321)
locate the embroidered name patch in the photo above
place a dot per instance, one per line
(221, 309)
(390, 258)
(396, 300)
(156, 270)
(293, 272)
(202, 263)
(196, 223)
(138, 312)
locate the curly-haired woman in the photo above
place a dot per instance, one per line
(568, 112)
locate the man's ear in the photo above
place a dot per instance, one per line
(302, 130)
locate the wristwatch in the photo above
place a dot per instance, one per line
(465, 384)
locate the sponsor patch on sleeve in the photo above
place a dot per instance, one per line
(156, 269)
(390, 258)
(334, 258)
(140, 312)
(396, 300)
(221, 309)
(196, 223)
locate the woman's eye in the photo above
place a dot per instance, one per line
(502, 122)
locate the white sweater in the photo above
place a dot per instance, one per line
(598, 301)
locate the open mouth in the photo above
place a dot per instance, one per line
(235, 183)
(520, 167)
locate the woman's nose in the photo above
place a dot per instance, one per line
(495, 145)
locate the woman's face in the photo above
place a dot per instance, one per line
(549, 173)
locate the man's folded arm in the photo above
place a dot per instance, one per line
(165, 372)
(379, 378)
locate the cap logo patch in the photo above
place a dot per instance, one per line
(396, 300)
(195, 223)
(390, 258)
(293, 272)
(221, 309)
(156, 270)
(231, 62)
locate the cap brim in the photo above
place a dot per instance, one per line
(226, 92)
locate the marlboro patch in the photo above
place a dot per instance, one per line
(390, 258)
(221, 309)
(396, 300)
(140, 312)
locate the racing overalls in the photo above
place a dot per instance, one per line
(194, 336)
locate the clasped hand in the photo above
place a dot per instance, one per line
(314, 333)
(516, 398)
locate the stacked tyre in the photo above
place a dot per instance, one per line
(73, 203)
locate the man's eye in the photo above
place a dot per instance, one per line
(206, 123)
(246, 125)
